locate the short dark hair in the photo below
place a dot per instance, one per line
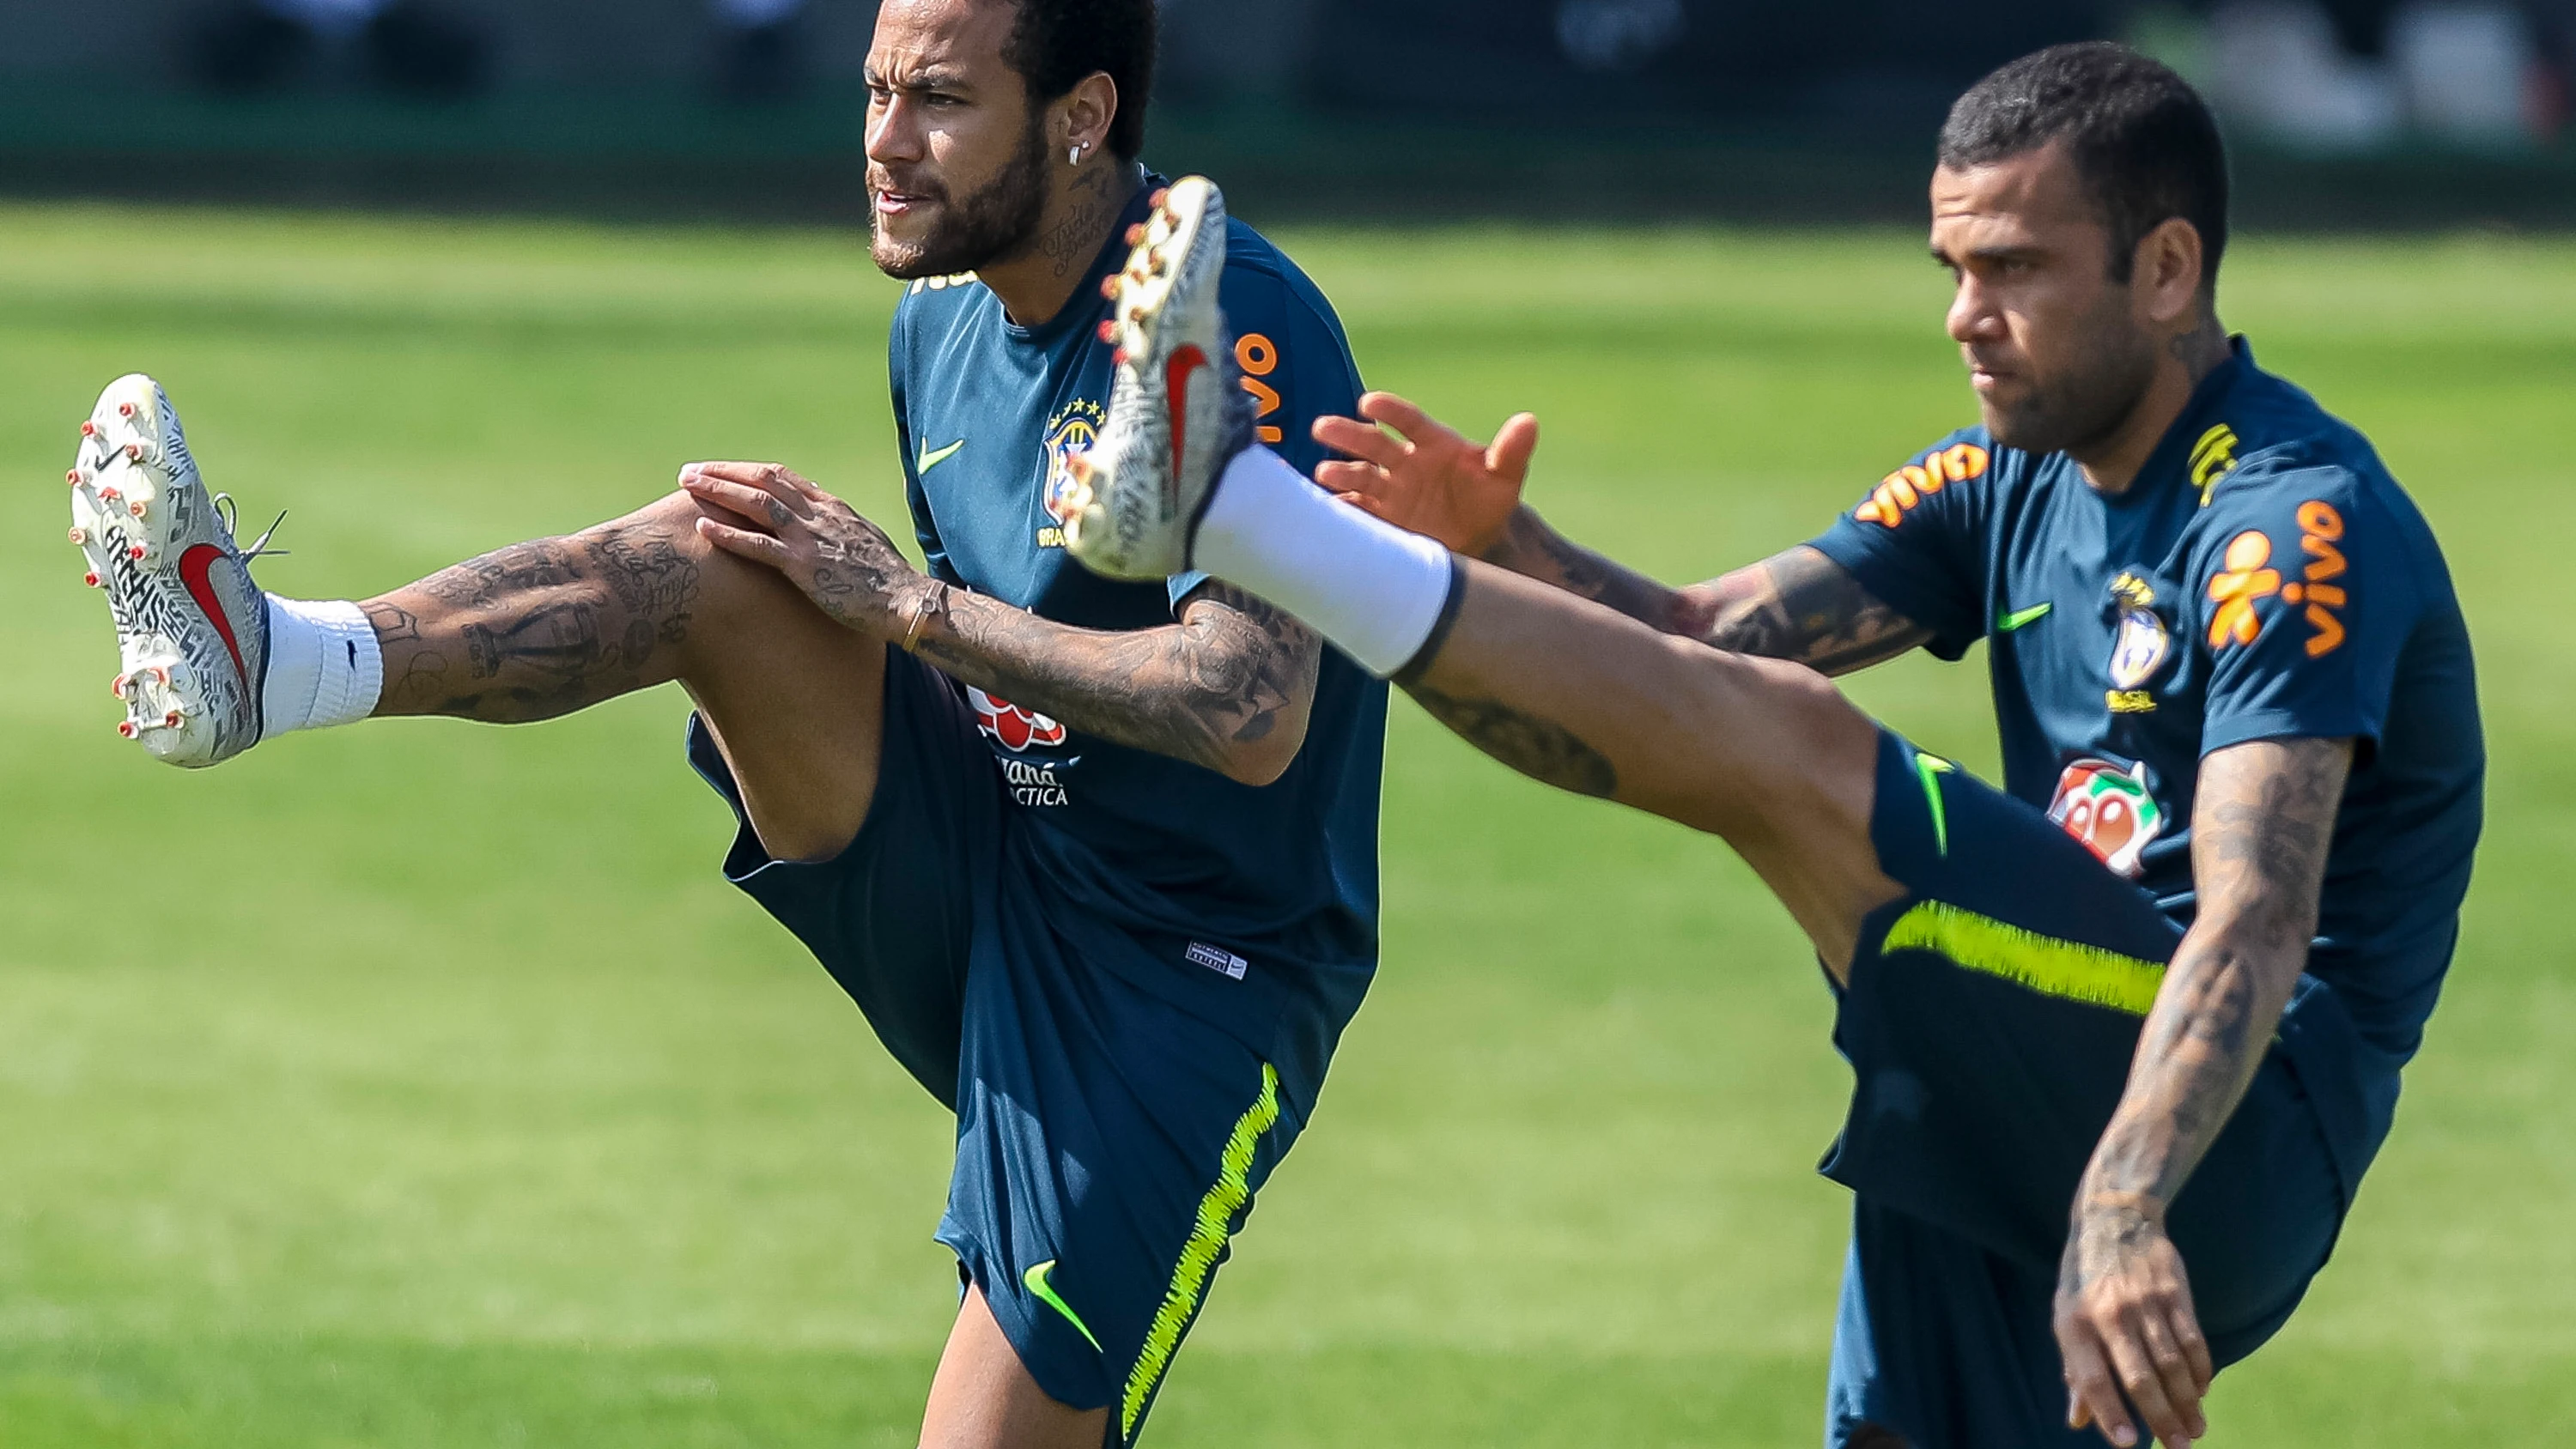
(1055, 43)
(2141, 138)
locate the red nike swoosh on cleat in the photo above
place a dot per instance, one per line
(195, 568)
(1176, 381)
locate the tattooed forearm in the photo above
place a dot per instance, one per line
(1228, 687)
(1532, 549)
(2261, 828)
(538, 629)
(1541, 749)
(1800, 606)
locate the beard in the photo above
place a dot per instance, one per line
(997, 222)
(2092, 398)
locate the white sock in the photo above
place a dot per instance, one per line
(1365, 584)
(324, 666)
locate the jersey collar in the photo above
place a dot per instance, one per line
(2171, 459)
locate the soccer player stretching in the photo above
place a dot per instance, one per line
(1097, 860)
(2125, 1035)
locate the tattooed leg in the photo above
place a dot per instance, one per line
(1765, 754)
(541, 629)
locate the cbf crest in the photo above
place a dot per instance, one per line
(1072, 430)
(2140, 645)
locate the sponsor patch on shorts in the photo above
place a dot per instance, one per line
(1217, 958)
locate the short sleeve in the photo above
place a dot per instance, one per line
(2304, 598)
(1295, 361)
(1917, 540)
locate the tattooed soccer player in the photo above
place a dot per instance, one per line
(2127, 1032)
(1097, 860)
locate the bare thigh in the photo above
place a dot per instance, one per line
(1767, 755)
(983, 1397)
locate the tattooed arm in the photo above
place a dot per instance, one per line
(1798, 605)
(1425, 476)
(1228, 687)
(2261, 827)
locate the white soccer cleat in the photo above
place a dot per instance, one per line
(191, 626)
(1177, 412)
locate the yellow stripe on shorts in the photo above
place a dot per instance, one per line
(1198, 1256)
(2068, 969)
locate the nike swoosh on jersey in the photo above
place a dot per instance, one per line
(1035, 1279)
(2006, 623)
(930, 460)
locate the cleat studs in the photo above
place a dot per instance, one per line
(109, 495)
(170, 721)
(116, 686)
(135, 508)
(80, 535)
(1135, 234)
(126, 728)
(134, 452)
(73, 477)
(1155, 201)
(126, 410)
(90, 579)
(161, 675)
(1109, 285)
(135, 553)
(1118, 358)
(89, 430)
(1108, 333)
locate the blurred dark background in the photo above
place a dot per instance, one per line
(2388, 113)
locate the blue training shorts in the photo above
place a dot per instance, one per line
(1108, 1143)
(1989, 1020)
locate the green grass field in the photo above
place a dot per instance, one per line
(421, 1084)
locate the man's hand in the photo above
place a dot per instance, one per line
(1428, 477)
(2125, 1321)
(845, 564)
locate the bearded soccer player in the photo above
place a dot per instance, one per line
(1097, 860)
(2125, 1034)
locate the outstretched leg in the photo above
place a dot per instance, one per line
(542, 629)
(211, 666)
(1767, 755)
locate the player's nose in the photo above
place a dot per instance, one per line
(1973, 315)
(895, 134)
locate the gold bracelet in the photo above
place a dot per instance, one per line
(931, 603)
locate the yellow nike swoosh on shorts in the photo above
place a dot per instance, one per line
(1036, 1281)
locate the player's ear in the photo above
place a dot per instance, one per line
(1082, 118)
(2166, 271)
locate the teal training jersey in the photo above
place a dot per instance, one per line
(1277, 882)
(2263, 578)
